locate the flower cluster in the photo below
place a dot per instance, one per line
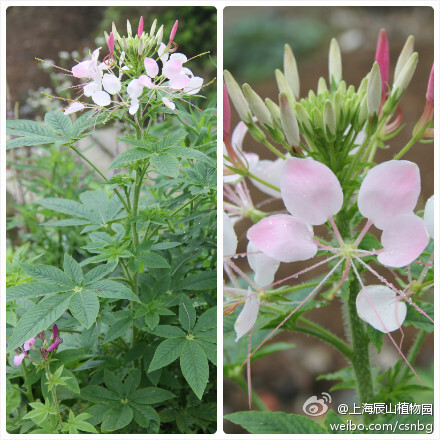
(132, 66)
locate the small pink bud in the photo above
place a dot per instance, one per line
(383, 58)
(141, 27)
(111, 43)
(54, 332)
(174, 30)
(430, 89)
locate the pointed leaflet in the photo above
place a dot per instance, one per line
(112, 289)
(146, 417)
(31, 133)
(153, 260)
(165, 164)
(146, 396)
(113, 383)
(129, 156)
(132, 382)
(99, 272)
(84, 306)
(194, 366)
(60, 123)
(187, 314)
(118, 329)
(166, 352)
(117, 418)
(32, 290)
(72, 269)
(38, 318)
(48, 274)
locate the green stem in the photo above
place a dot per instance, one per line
(273, 149)
(406, 148)
(28, 393)
(253, 176)
(54, 394)
(360, 346)
(99, 172)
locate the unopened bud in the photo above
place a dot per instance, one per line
(257, 106)
(128, 29)
(383, 58)
(337, 106)
(174, 30)
(374, 90)
(322, 86)
(140, 27)
(291, 71)
(362, 89)
(329, 118)
(406, 74)
(362, 114)
(140, 47)
(303, 118)
(115, 32)
(430, 89)
(334, 64)
(153, 27)
(237, 98)
(406, 52)
(288, 121)
(274, 110)
(317, 118)
(283, 85)
(159, 35)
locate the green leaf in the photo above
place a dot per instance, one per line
(187, 314)
(146, 417)
(113, 383)
(169, 331)
(117, 417)
(70, 380)
(40, 412)
(148, 396)
(72, 269)
(33, 290)
(165, 164)
(201, 281)
(194, 366)
(129, 156)
(206, 321)
(191, 153)
(152, 320)
(69, 207)
(78, 423)
(417, 320)
(48, 274)
(132, 382)
(118, 329)
(375, 337)
(99, 272)
(31, 133)
(59, 123)
(95, 393)
(332, 418)
(38, 318)
(112, 289)
(153, 260)
(166, 352)
(265, 422)
(84, 306)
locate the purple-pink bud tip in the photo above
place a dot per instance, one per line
(174, 30)
(111, 43)
(141, 27)
(430, 89)
(54, 331)
(383, 58)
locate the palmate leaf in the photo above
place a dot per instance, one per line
(118, 329)
(130, 156)
(75, 424)
(264, 422)
(194, 366)
(165, 164)
(148, 396)
(112, 289)
(38, 318)
(33, 290)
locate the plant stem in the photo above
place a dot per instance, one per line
(406, 148)
(54, 394)
(360, 346)
(253, 176)
(255, 398)
(29, 394)
(412, 354)
(273, 149)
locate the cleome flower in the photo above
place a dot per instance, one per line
(312, 195)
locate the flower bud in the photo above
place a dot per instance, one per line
(291, 71)
(257, 106)
(237, 97)
(362, 89)
(128, 29)
(374, 90)
(329, 118)
(283, 85)
(115, 32)
(430, 89)
(404, 78)
(362, 115)
(174, 30)
(140, 27)
(159, 35)
(337, 106)
(334, 64)
(407, 51)
(140, 47)
(322, 86)
(303, 118)
(383, 58)
(288, 121)
(274, 110)
(153, 27)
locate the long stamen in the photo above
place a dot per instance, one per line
(231, 276)
(362, 233)
(391, 286)
(336, 231)
(425, 269)
(313, 292)
(384, 326)
(248, 369)
(242, 274)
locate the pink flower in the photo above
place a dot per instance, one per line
(29, 344)
(383, 58)
(18, 359)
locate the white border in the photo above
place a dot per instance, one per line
(220, 4)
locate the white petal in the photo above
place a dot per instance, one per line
(194, 85)
(263, 266)
(229, 236)
(101, 98)
(134, 106)
(134, 89)
(179, 56)
(269, 171)
(111, 84)
(74, 107)
(429, 216)
(247, 317)
(380, 307)
(168, 103)
(91, 87)
(163, 56)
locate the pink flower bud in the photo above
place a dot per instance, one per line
(383, 58)
(54, 331)
(174, 30)
(140, 27)
(111, 43)
(430, 89)
(19, 358)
